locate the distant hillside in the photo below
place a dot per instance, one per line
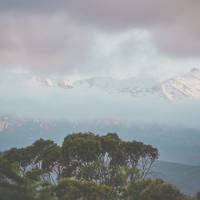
(175, 144)
(184, 177)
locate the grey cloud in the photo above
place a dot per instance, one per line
(174, 23)
(52, 43)
(28, 5)
(60, 34)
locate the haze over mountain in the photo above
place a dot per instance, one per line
(128, 100)
(180, 87)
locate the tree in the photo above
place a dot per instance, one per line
(69, 189)
(106, 159)
(140, 156)
(81, 153)
(86, 167)
(12, 185)
(41, 158)
(156, 190)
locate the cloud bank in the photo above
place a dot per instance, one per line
(62, 36)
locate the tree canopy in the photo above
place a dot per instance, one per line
(85, 167)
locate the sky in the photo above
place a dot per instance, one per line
(96, 38)
(149, 39)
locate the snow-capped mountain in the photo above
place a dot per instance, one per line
(131, 86)
(186, 86)
(180, 87)
(47, 82)
(65, 84)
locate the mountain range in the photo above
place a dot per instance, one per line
(180, 87)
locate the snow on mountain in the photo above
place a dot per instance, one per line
(182, 87)
(135, 87)
(42, 81)
(65, 84)
(131, 86)
(47, 82)
(186, 86)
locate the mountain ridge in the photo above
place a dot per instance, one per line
(184, 177)
(181, 87)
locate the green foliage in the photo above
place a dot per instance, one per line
(85, 167)
(154, 190)
(81, 149)
(12, 185)
(104, 158)
(68, 189)
(158, 190)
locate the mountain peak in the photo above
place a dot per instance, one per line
(186, 86)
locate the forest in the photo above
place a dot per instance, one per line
(86, 166)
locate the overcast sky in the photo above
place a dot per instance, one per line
(108, 37)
